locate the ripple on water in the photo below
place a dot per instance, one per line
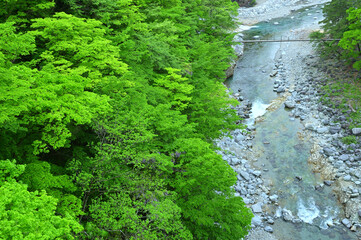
(309, 211)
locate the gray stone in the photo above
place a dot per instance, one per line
(273, 198)
(309, 126)
(256, 220)
(328, 182)
(280, 89)
(346, 222)
(356, 131)
(273, 73)
(334, 129)
(257, 208)
(236, 161)
(247, 200)
(359, 213)
(328, 151)
(322, 130)
(343, 157)
(347, 178)
(268, 229)
(287, 215)
(290, 104)
(240, 138)
(270, 221)
(245, 175)
(257, 173)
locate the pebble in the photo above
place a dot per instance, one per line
(273, 198)
(245, 175)
(347, 178)
(268, 229)
(356, 131)
(328, 182)
(346, 222)
(287, 215)
(257, 208)
(290, 104)
(257, 220)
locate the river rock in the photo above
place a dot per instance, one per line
(287, 215)
(309, 126)
(328, 182)
(322, 130)
(346, 222)
(280, 89)
(356, 131)
(257, 208)
(334, 129)
(343, 157)
(268, 229)
(236, 161)
(359, 213)
(290, 104)
(347, 178)
(256, 220)
(240, 138)
(273, 198)
(273, 73)
(328, 151)
(245, 175)
(257, 173)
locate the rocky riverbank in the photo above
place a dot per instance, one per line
(265, 10)
(298, 75)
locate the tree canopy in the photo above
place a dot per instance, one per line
(110, 109)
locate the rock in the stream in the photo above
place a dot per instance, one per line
(356, 131)
(273, 73)
(287, 215)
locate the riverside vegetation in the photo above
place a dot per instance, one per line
(109, 110)
(343, 89)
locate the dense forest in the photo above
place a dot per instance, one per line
(109, 110)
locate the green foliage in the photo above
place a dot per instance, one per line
(335, 24)
(345, 96)
(207, 201)
(352, 37)
(113, 107)
(349, 140)
(29, 215)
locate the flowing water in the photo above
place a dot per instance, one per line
(278, 143)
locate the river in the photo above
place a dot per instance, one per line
(279, 148)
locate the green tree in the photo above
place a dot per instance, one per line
(351, 39)
(30, 215)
